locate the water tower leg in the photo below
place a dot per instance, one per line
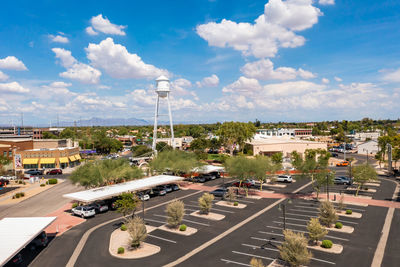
(170, 123)
(155, 126)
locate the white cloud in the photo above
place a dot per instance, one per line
(76, 70)
(58, 39)
(263, 69)
(325, 81)
(3, 76)
(89, 30)
(392, 76)
(12, 87)
(326, 2)
(242, 85)
(119, 63)
(103, 25)
(338, 79)
(270, 31)
(211, 81)
(12, 63)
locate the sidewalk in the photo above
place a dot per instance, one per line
(64, 220)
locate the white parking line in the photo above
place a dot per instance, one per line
(270, 233)
(254, 247)
(164, 239)
(316, 208)
(252, 255)
(186, 220)
(228, 211)
(295, 219)
(151, 220)
(235, 262)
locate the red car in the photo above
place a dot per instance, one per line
(247, 183)
(54, 171)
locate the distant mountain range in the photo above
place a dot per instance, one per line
(106, 122)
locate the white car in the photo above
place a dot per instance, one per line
(143, 196)
(285, 178)
(84, 211)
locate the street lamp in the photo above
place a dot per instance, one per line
(282, 207)
(367, 153)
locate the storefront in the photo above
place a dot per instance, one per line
(31, 163)
(47, 163)
(63, 162)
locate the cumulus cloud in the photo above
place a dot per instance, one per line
(3, 76)
(76, 70)
(119, 63)
(13, 87)
(338, 79)
(270, 31)
(263, 69)
(326, 2)
(392, 76)
(58, 39)
(12, 63)
(100, 24)
(325, 81)
(211, 81)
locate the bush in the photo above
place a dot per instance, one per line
(235, 203)
(74, 205)
(349, 212)
(327, 214)
(256, 263)
(24, 183)
(341, 205)
(42, 185)
(326, 244)
(205, 203)
(175, 213)
(137, 231)
(315, 230)
(13, 197)
(121, 250)
(22, 194)
(231, 195)
(182, 227)
(123, 227)
(339, 225)
(52, 181)
(17, 195)
(294, 249)
(20, 182)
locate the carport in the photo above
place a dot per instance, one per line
(16, 233)
(117, 189)
(209, 169)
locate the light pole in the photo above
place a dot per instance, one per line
(282, 207)
(367, 154)
(327, 186)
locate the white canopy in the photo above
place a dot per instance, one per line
(16, 233)
(209, 168)
(116, 189)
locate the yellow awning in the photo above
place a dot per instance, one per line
(72, 158)
(30, 161)
(78, 157)
(47, 161)
(64, 160)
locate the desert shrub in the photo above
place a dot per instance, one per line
(24, 183)
(327, 214)
(256, 263)
(231, 195)
(52, 181)
(22, 194)
(326, 244)
(294, 249)
(341, 205)
(175, 213)
(235, 203)
(137, 231)
(42, 185)
(339, 225)
(17, 195)
(182, 227)
(205, 203)
(74, 205)
(123, 227)
(121, 250)
(349, 212)
(315, 230)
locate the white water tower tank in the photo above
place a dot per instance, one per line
(162, 86)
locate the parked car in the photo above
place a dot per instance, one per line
(54, 171)
(199, 179)
(335, 155)
(99, 206)
(284, 178)
(167, 188)
(34, 172)
(39, 241)
(157, 192)
(4, 182)
(17, 260)
(84, 211)
(143, 196)
(342, 164)
(216, 174)
(174, 187)
(246, 183)
(343, 180)
(220, 192)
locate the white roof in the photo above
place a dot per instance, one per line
(209, 168)
(116, 189)
(16, 233)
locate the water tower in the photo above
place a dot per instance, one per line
(162, 90)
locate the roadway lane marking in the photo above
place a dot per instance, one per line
(252, 255)
(164, 239)
(295, 219)
(270, 233)
(228, 211)
(230, 230)
(79, 247)
(186, 220)
(235, 262)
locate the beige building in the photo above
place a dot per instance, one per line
(178, 141)
(270, 146)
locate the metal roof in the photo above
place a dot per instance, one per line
(209, 168)
(116, 189)
(16, 233)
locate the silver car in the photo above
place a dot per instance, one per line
(84, 211)
(285, 178)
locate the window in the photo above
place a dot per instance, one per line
(5, 153)
(10, 153)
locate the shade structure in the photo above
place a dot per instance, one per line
(78, 157)
(64, 160)
(47, 161)
(16, 233)
(31, 161)
(208, 169)
(72, 158)
(117, 189)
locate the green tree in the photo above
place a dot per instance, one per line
(162, 146)
(277, 158)
(126, 203)
(363, 174)
(322, 179)
(239, 167)
(199, 144)
(175, 213)
(176, 161)
(137, 231)
(232, 133)
(294, 249)
(48, 135)
(141, 151)
(315, 230)
(327, 213)
(68, 133)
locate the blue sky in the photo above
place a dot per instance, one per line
(276, 60)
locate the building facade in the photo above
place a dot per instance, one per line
(266, 133)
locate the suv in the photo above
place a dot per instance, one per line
(99, 206)
(219, 192)
(343, 180)
(143, 196)
(246, 183)
(84, 211)
(284, 178)
(54, 171)
(157, 191)
(39, 241)
(34, 172)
